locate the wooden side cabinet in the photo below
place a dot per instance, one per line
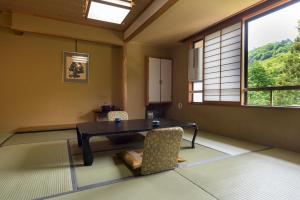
(159, 80)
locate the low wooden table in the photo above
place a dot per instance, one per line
(108, 128)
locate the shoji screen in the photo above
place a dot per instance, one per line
(212, 63)
(222, 62)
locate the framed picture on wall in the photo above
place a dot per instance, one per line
(76, 67)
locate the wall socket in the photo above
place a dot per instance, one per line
(179, 105)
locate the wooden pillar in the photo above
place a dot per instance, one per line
(124, 78)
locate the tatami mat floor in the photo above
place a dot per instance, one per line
(25, 138)
(34, 170)
(4, 138)
(269, 175)
(222, 143)
(165, 186)
(49, 165)
(106, 167)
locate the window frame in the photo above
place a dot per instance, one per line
(190, 87)
(271, 89)
(250, 13)
(191, 90)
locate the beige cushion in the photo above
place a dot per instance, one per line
(134, 158)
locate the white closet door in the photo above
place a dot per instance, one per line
(154, 80)
(166, 80)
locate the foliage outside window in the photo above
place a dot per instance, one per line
(273, 58)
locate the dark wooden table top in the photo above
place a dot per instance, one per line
(125, 126)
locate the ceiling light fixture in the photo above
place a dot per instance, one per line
(113, 11)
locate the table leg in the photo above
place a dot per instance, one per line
(79, 140)
(86, 151)
(195, 135)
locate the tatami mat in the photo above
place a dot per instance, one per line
(31, 171)
(198, 154)
(222, 143)
(36, 137)
(3, 137)
(106, 167)
(267, 175)
(162, 186)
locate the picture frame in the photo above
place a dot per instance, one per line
(75, 67)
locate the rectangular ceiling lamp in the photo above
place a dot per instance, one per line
(113, 11)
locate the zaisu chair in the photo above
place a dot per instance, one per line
(160, 153)
(112, 115)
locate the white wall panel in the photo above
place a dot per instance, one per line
(154, 80)
(166, 80)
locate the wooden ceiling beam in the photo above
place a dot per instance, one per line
(150, 14)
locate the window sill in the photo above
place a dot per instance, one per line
(246, 106)
(216, 103)
(273, 107)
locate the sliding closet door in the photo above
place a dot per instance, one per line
(166, 80)
(154, 80)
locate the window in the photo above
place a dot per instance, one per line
(222, 61)
(196, 73)
(217, 77)
(272, 58)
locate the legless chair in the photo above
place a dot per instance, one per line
(112, 115)
(161, 149)
(123, 115)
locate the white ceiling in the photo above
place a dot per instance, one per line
(187, 17)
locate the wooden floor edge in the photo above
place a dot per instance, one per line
(45, 128)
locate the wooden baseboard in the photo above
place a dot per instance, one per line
(45, 128)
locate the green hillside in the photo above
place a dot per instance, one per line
(275, 64)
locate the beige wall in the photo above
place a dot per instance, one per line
(32, 90)
(29, 23)
(275, 127)
(136, 55)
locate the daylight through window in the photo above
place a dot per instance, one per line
(273, 58)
